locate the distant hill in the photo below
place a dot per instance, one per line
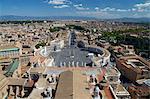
(19, 18)
(143, 19)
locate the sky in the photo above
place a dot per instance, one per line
(86, 8)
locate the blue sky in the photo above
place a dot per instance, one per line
(91, 8)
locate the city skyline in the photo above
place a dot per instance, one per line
(74, 57)
(86, 8)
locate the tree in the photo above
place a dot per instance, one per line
(40, 44)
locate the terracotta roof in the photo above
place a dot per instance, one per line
(80, 86)
(125, 59)
(15, 81)
(3, 81)
(141, 90)
(37, 70)
(72, 85)
(65, 86)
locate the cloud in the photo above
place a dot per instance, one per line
(133, 9)
(58, 2)
(136, 10)
(112, 14)
(80, 7)
(61, 6)
(96, 8)
(109, 9)
(97, 14)
(141, 7)
(123, 10)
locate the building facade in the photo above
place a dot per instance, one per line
(9, 51)
(133, 67)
